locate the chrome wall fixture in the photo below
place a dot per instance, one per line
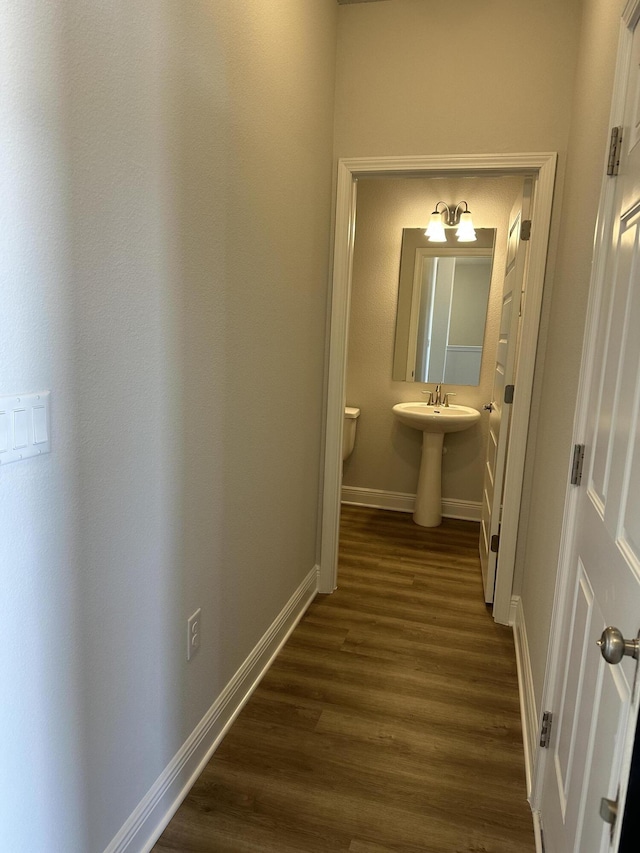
(451, 216)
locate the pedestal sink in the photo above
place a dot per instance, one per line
(434, 422)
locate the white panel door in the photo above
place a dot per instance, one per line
(500, 413)
(595, 705)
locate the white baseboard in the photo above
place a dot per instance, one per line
(528, 711)
(147, 822)
(537, 832)
(403, 502)
(464, 510)
(378, 499)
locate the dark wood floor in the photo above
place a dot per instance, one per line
(389, 722)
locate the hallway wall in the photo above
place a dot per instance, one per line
(157, 158)
(454, 78)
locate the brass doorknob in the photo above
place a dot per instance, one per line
(614, 647)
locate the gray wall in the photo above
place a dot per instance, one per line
(159, 156)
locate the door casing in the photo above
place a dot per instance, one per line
(495, 463)
(542, 168)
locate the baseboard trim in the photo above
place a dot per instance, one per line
(404, 502)
(528, 711)
(464, 510)
(378, 499)
(537, 832)
(147, 822)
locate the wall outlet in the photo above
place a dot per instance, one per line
(193, 633)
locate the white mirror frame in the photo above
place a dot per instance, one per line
(540, 166)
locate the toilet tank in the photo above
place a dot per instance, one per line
(351, 415)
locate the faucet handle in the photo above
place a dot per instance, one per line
(430, 397)
(447, 395)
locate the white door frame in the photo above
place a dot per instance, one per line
(598, 283)
(540, 166)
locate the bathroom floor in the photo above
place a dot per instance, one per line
(389, 721)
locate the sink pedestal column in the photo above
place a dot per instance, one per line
(428, 506)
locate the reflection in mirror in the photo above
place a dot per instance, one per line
(443, 296)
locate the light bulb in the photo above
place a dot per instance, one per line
(435, 229)
(466, 232)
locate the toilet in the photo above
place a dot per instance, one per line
(351, 415)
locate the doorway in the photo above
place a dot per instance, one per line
(541, 168)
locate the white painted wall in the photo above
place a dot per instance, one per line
(386, 455)
(157, 157)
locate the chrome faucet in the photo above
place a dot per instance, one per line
(437, 397)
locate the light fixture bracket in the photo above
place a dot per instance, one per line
(451, 214)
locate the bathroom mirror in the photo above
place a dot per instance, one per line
(443, 295)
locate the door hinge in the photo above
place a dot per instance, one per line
(509, 391)
(615, 148)
(609, 811)
(495, 543)
(525, 229)
(576, 465)
(545, 731)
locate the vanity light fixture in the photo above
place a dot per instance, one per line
(451, 216)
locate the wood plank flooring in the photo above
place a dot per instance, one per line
(389, 722)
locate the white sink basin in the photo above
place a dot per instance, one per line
(436, 418)
(434, 422)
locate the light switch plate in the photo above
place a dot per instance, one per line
(193, 633)
(25, 426)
